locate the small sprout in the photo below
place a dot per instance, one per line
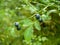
(44, 39)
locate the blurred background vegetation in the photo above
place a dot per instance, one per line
(32, 32)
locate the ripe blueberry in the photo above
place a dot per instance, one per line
(16, 24)
(37, 16)
(18, 28)
(40, 20)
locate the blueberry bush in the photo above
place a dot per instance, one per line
(29, 22)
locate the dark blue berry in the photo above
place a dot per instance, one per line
(37, 16)
(40, 20)
(19, 28)
(16, 24)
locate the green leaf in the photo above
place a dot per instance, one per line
(44, 39)
(37, 25)
(26, 22)
(25, 1)
(52, 11)
(13, 33)
(46, 17)
(28, 33)
(30, 8)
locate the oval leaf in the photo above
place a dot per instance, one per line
(37, 25)
(28, 33)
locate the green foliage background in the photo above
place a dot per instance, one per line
(32, 32)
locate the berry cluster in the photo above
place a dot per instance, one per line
(17, 26)
(38, 18)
